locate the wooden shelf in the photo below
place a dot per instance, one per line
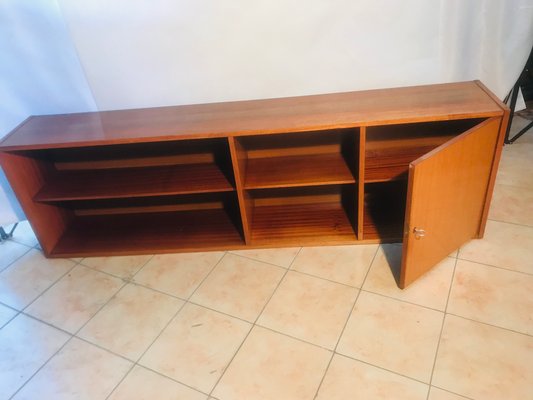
(293, 171)
(301, 223)
(134, 182)
(306, 215)
(148, 233)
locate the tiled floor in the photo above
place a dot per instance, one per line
(326, 323)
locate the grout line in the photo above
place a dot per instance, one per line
(126, 279)
(383, 369)
(402, 300)
(449, 391)
(261, 261)
(491, 325)
(17, 258)
(294, 337)
(509, 222)
(171, 378)
(325, 279)
(17, 313)
(207, 276)
(442, 327)
(346, 323)
(495, 266)
(253, 324)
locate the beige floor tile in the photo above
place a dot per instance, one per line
(309, 308)
(177, 274)
(516, 165)
(74, 299)
(431, 290)
(439, 394)
(504, 245)
(6, 314)
(343, 264)
(10, 251)
(347, 378)
(493, 295)
(273, 366)
(79, 371)
(129, 323)
(282, 257)
(512, 204)
(25, 345)
(484, 362)
(239, 286)
(24, 234)
(123, 267)
(24, 280)
(142, 384)
(196, 347)
(394, 335)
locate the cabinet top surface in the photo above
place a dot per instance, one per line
(290, 114)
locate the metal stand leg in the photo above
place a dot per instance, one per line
(4, 235)
(512, 105)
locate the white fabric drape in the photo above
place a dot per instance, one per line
(140, 53)
(39, 74)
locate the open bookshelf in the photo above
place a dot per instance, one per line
(313, 170)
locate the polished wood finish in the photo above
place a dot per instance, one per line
(257, 117)
(497, 156)
(390, 149)
(134, 182)
(447, 189)
(312, 170)
(164, 232)
(321, 169)
(239, 170)
(361, 160)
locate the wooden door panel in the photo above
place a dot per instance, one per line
(446, 195)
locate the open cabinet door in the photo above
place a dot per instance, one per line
(445, 198)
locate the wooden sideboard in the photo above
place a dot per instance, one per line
(413, 164)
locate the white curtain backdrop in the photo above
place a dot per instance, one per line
(145, 53)
(39, 74)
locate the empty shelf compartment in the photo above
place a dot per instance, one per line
(324, 214)
(135, 170)
(389, 149)
(299, 159)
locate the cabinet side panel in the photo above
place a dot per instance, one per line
(26, 176)
(493, 173)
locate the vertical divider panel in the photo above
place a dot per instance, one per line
(238, 160)
(361, 183)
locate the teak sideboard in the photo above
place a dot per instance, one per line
(413, 164)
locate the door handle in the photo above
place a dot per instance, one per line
(419, 233)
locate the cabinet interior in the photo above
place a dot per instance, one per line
(316, 187)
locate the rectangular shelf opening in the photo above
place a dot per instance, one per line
(150, 225)
(390, 148)
(307, 215)
(135, 170)
(299, 159)
(384, 210)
